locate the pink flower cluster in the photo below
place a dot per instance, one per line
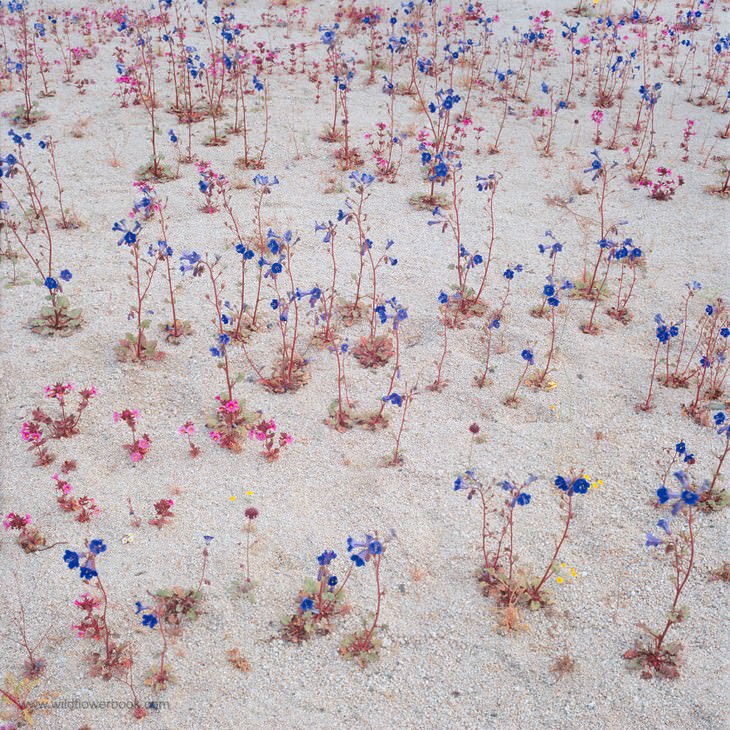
(31, 432)
(15, 521)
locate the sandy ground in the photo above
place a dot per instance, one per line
(444, 663)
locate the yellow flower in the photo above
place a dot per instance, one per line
(559, 579)
(126, 539)
(249, 493)
(572, 572)
(232, 498)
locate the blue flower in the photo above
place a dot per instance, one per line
(663, 494)
(689, 497)
(527, 356)
(71, 559)
(276, 268)
(440, 169)
(523, 499)
(652, 540)
(307, 604)
(87, 573)
(596, 165)
(149, 619)
(97, 546)
(66, 275)
(366, 548)
(326, 557)
(393, 398)
(189, 261)
(574, 486)
(50, 283)
(332, 581)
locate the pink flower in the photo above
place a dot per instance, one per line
(187, 428)
(15, 521)
(136, 456)
(215, 436)
(30, 432)
(58, 390)
(288, 439)
(597, 116)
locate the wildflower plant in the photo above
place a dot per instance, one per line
(66, 424)
(187, 431)
(84, 507)
(136, 346)
(528, 358)
(32, 433)
(499, 575)
(675, 540)
(319, 602)
(29, 536)
(58, 317)
(364, 646)
(247, 586)
(494, 320)
(113, 659)
(291, 371)
(341, 416)
(141, 444)
(715, 498)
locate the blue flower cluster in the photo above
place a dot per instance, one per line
(397, 313)
(129, 237)
(572, 485)
(74, 560)
(364, 549)
(664, 331)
